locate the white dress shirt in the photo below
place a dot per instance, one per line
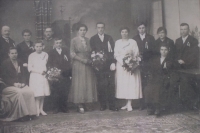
(59, 50)
(101, 37)
(142, 36)
(184, 38)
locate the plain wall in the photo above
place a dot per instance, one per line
(114, 13)
(181, 11)
(18, 15)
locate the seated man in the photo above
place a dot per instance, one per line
(157, 90)
(17, 98)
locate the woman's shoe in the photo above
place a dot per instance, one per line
(129, 108)
(81, 110)
(43, 113)
(124, 108)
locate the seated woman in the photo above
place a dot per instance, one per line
(157, 91)
(18, 100)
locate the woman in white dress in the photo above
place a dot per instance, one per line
(127, 86)
(38, 83)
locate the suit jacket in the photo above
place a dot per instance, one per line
(4, 48)
(24, 51)
(10, 75)
(97, 45)
(61, 61)
(147, 53)
(170, 44)
(188, 52)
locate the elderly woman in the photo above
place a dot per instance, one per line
(17, 98)
(83, 88)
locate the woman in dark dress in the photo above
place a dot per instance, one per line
(157, 91)
(162, 33)
(17, 98)
(83, 88)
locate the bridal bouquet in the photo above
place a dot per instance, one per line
(98, 60)
(53, 74)
(131, 63)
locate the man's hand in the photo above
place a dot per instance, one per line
(112, 67)
(25, 65)
(181, 62)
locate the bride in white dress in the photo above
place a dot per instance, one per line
(127, 86)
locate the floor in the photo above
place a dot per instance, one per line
(108, 122)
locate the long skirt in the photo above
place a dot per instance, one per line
(83, 88)
(17, 103)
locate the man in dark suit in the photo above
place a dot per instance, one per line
(187, 53)
(24, 49)
(162, 33)
(146, 45)
(105, 76)
(60, 58)
(48, 40)
(5, 43)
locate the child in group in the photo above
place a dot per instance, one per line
(59, 57)
(37, 62)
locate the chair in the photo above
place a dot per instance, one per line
(2, 86)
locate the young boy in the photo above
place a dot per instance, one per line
(157, 90)
(59, 57)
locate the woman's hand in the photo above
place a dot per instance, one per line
(43, 73)
(18, 85)
(89, 62)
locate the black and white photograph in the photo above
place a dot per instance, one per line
(99, 66)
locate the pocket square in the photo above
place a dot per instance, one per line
(109, 47)
(188, 44)
(146, 45)
(65, 57)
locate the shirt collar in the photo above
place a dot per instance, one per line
(48, 39)
(142, 36)
(5, 38)
(101, 35)
(184, 38)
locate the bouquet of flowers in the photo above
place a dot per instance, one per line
(131, 63)
(98, 60)
(53, 74)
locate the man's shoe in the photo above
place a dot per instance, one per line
(102, 108)
(114, 109)
(55, 111)
(157, 113)
(65, 110)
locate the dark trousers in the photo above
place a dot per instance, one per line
(188, 90)
(59, 93)
(106, 88)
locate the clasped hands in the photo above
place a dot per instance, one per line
(19, 85)
(89, 62)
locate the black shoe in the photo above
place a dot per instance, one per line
(114, 109)
(65, 110)
(56, 111)
(102, 108)
(150, 111)
(157, 113)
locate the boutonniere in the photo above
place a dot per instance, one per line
(31, 48)
(19, 70)
(65, 57)
(14, 45)
(109, 47)
(146, 45)
(188, 44)
(165, 65)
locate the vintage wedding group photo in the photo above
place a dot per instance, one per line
(100, 66)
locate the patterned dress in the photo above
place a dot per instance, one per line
(83, 88)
